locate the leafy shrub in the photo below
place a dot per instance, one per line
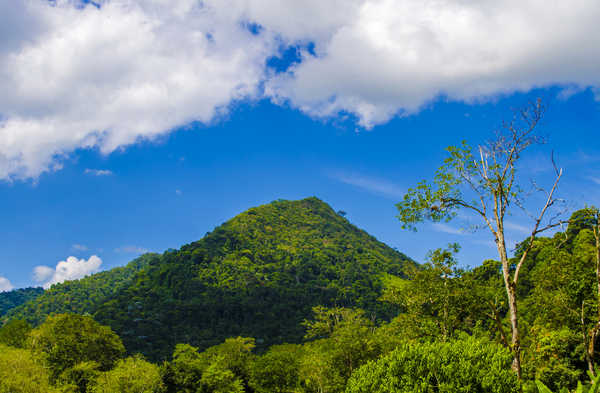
(467, 365)
(15, 333)
(131, 375)
(21, 372)
(65, 340)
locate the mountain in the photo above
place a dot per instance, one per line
(78, 296)
(12, 299)
(258, 274)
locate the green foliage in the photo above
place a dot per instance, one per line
(466, 365)
(593, 387)
(346, 341)
(224, 367)
(22, 372)
(257, 275)
(217, 378)
(79, 296)
(436, 299)
(66, 340)
(14, 298)
(555, 358)
(78, 378)
(317, 368)
(184, 372)
(130, 375)
(277, 370)
(293, 271)
(15, 333)
(440, 200)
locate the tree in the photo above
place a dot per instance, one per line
(457, 366)
(276, 371)
(65, 340)
(485, 182)
(15, 333)
(590, 218)
(223, 367)
(133, 374)
(345, 341)
(217, 378)
(79, 378)
(22, 372)
(184, 372)
(433, 297)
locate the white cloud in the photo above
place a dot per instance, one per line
(42, 273)
(104, 78)
(107, 77)
(5, 284)
(392, 57)
(71, 269)
(131, 250)
(98, 172)
(371, 184)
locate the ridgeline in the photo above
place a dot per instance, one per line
(257, 275)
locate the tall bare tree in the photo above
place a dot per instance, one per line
(485, 181)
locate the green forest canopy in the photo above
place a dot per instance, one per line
(259, 274)
(362, 314)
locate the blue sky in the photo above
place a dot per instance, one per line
(98, 160)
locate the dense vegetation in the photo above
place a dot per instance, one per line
(258, 275)
(12, 299)
(78, 296)
(446, 332)
(70, 353)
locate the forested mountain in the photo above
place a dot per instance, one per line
(257, 275)
(252, 283)
(78, 296)
(12, 299)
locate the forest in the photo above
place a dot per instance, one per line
(291, 297)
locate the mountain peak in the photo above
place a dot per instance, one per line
(258, 274)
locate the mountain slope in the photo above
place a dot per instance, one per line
(259, 274)
(14, 298)
(79, 296)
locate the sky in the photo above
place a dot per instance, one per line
(129, 126)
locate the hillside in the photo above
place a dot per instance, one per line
(258, 275)
(79, 296)
(12, 299)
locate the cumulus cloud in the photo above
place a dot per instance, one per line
(70, 269)
(42, 273)
(392, 57)
(105, 77)
(5, 284)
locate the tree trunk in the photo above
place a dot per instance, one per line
(589, 351)
(514, 324)
(511, 294)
